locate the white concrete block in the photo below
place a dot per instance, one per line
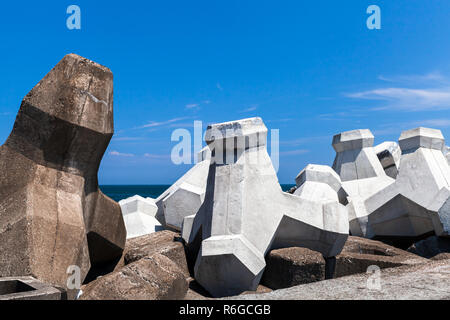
(421, 137)
(186, 195)
(446, 151)
(415, 203)
(139, 216)
(389, 154)
(318, 182)
(355, 156)
(245, 214)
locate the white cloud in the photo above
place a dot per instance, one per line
(252, 107)
(192, 105)
(294, 152)
(443, 123)
(429, 77)
(153, 124)
(127, 138)
(306, 140)
(408, 99)
(219, 87)
(119, 154)
(430, 91)
(156, 156)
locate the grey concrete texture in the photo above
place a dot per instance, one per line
(389, 154)
(28, 288)
(430, 281)
(355, 156)
(414, 204)
(52, 212)
(186, 195)
(447, 154)
(238, 225)
(139, 216)
(153, 277)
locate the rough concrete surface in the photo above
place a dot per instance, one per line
(429, 281)
(52, 212)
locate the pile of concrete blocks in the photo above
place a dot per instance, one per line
(53, 216)
(186, 195)
(389, 154)
(246, 214)
(361, 172)
(139, 216)
(415, 204)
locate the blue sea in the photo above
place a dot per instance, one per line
(119, 192)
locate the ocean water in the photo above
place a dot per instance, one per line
(119, 192)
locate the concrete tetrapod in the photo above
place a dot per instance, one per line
(361, 173)
(447, 154)
(389, 154)
(52, 212)
(139, 216)
(418, 202)
(246, 214)
(186, 195)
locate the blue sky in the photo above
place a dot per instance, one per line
(309, 68)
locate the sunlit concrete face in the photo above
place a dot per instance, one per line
(389, 154)
(139, 216)
(186, 195)
(245, 213)
(414, 203)
(52, 213)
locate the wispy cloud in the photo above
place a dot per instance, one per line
(396, 128)
(120, 154)
(421, 78)
(192, 106)
(156, 156)
(280, 120)
(442, 123)
(421, 93)
(251, 108)
(218, 86)
(408, 99)
(127, 138)
(153, 124)
(306, 140)
(294, 152)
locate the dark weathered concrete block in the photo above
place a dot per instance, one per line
(52, 213)
(27, 288)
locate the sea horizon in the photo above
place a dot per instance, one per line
(119, 192)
